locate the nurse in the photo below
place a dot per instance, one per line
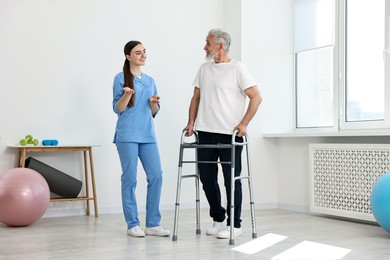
(136, 103)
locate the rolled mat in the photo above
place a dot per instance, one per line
(59, 183)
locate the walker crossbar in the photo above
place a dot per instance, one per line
(196, 145)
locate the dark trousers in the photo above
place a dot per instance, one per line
(209, 175)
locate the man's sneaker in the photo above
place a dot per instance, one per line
(157, 231)
(136, 232)
(217, 227)
(226, 232)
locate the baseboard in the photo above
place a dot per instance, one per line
(65, 211)
(296, 208)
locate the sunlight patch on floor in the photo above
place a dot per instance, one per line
(259, 244)
(313, 251)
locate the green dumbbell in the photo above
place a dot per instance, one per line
(35, 142)
(23, 142)
(29, 140)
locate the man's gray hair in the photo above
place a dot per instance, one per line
(221, 37)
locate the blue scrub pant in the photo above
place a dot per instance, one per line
(208, 173)
(150, 159)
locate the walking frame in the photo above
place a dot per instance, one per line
(180, 177)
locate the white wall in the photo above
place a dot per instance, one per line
(57, 63)
(283, 167)
(58, 59)
(232, 23)
(267, 52)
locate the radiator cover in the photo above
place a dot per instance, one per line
(342, 177)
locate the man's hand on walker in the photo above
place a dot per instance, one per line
(242, 131)
(189, 129)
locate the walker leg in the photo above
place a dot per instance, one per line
(231, 240)
(232, 191)
(251, 197)
(197, 205)
(177, 204)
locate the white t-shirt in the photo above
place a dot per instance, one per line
(222, 96)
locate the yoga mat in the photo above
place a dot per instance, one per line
(59, 183)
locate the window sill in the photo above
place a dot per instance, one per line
(347, 133)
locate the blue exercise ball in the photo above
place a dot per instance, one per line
(380, 201)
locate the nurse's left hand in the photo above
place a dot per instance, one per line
(154, 99)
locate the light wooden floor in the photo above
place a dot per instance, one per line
(84, 237)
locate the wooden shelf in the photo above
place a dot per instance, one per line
(87, 155)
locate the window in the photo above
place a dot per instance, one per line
(364, 61)
(341, 80)
(314, 87)
(313, 45)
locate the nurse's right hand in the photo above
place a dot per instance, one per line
(128, 90)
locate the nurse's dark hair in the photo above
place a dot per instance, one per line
(126, 69)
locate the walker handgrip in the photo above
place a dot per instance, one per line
(244, 141)
(183, 135)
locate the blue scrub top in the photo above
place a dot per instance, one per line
(135, 124)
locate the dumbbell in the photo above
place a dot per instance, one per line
(50, 142)
(28, 140)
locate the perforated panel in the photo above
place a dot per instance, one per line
(342, 176)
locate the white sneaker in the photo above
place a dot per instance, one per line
(226, 232)
(136, 232)
(217, 227)
(157, 231)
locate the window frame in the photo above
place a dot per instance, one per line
(341, 42)
(339, 74)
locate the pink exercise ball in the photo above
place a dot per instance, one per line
(24, 197)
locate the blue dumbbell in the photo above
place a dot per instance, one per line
(50, 142)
